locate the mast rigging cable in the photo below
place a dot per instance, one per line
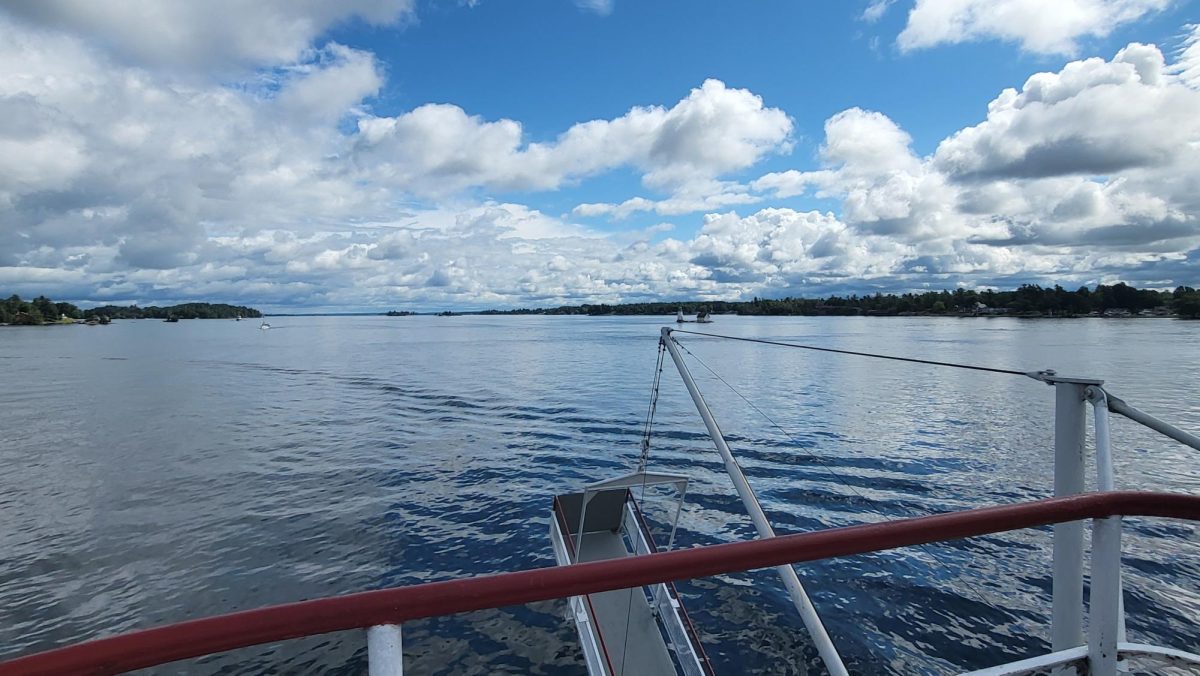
(1031, 374)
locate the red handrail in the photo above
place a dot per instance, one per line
(160, 645)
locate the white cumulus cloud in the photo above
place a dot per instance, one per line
(440, 148)
(1098, 154)
(1038, 26)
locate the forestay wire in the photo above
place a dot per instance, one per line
(643, 459)
(931, 362)
(653, 406)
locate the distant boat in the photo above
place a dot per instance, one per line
(703, 318)
(679, 317)
(264, 326)
(171, 319)
(237, 318)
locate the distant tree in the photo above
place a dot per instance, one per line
(45, 308)
(1187, 305)
(29, 317)
(69, 310)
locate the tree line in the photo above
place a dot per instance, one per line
(182, 311)
(1028, 299)
(41, 310)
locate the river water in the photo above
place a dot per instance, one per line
(158, 472)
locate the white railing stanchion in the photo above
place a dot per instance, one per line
(1105, 475)
(385, 653)
(808, 613)
(1104, 618)
(1070, 418)
(1106, 479)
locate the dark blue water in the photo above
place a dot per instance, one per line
(157, 472)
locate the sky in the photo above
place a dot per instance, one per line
(369, 155)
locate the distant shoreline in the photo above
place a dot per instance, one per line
(1030, 301)
(671, 315)
(668, 318)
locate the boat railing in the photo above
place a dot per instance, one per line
(382, 612)
(664, 600)
(1072, 395)
(592, 639)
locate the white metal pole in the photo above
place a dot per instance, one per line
(1070, 417)
(1103, 627)
(1106, 480)
(1105, 477)
(808, 613)
(1118, 405)
(385, 654)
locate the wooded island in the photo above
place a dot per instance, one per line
(42, 310)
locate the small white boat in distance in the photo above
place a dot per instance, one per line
(264, 326)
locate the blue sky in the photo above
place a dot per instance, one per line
(371, 154)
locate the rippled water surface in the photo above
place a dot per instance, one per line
(156, 472)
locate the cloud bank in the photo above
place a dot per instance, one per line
(133, 172)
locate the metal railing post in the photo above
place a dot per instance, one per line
(1106, 479)
(1104, 618)
(1105, 475)
(808, 613)
(1070, 418)
(385, 653)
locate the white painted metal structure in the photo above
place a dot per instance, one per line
(1104, 650)
(385, 653)
(589, 637)
(638, 479)
(637, 631)
(662, 600)
(808, 613)
(1070, 424)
